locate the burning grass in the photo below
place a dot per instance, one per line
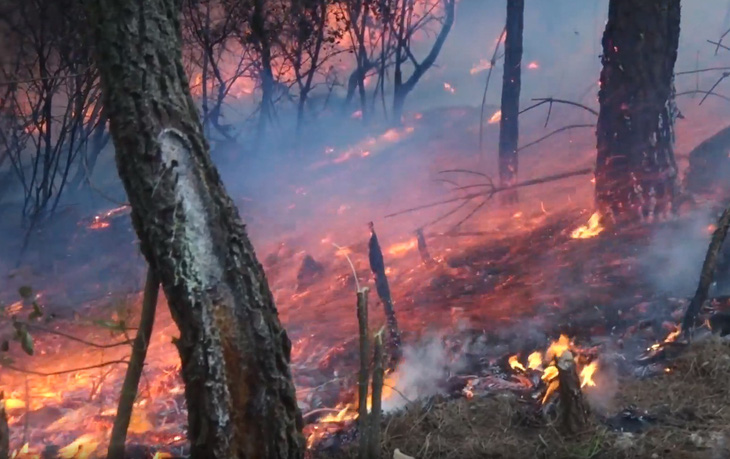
(681, 413)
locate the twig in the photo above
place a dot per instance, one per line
(352, 266)
(377, 391)
(364, 375)
(706, 93)
(709, 69)
(724, 75)
(134, 370)
(550, 178)
(551, 100)
(63, 372)
(492, 63)
(707, 275)
(717, 49)
(557, 131)
(719, 45)
(74, 338)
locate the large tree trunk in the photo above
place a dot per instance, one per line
(636, 174)
(235, 354)
(511, 85)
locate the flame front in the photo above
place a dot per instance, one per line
(496, 118)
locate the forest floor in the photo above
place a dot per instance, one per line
(683, 413)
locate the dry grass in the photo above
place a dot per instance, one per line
(691, 404)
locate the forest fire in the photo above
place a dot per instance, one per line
(475, 319)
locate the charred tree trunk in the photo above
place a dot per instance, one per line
(636, 173)
(511, 85)
(573, 411)
(234, 352)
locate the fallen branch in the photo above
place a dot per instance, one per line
(364, 375)
(573, 409)
(707, 275)
(134, 370)
(495, 190)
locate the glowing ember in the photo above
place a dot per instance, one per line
(400, 249)
(591, 229)
(515, 364)
(98, 223)
(496, 118)
(533, 65)
(586, 375)
(449, 88)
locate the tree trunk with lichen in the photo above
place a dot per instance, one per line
(636, 173)
(509, 131)
(235, 354)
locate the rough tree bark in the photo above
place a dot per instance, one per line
(235, 354)
(511, 85)
(636, 173)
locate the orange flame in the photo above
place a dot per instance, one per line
(586, 374)
(515, 364)
(591, 229)
(496, 118)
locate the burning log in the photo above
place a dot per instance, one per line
(134, 370)
(707, 274)
(377, 393)
(377, 265)
(364, 376)
(573, 409)
(4, 430)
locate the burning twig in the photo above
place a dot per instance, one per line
(4, 430)
(707, 274)
(134, 370)
(377, 265)
(573, 410)
(364, 376)
(377, 394)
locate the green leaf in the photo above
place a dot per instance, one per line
(25, 292)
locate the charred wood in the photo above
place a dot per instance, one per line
(511, 85)
(377, 266)
(636, 172)
(573, 411)
(364, 375)
(309, 272)
(423, 247)
(707, 275)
